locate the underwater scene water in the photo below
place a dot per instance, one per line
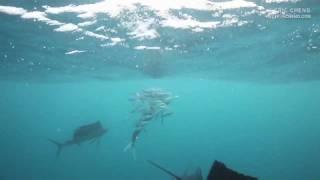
(93, 89)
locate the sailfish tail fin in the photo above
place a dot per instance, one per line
(128, 146)
(165, 170)
(131, 147)
(59, 146)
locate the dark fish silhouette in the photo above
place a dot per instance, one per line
(82, 134)
(219, 171)
(197, 175)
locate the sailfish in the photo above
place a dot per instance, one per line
(89, 132)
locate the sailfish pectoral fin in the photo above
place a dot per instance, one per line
(165, 170)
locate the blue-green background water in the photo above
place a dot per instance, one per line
(248, 94)
(269, 131)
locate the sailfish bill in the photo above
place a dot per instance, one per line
(196, 175)
(165, 170)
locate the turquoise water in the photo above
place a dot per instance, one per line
(248, 88)
(270, 131)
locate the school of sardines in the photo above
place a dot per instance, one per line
(149, 105)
